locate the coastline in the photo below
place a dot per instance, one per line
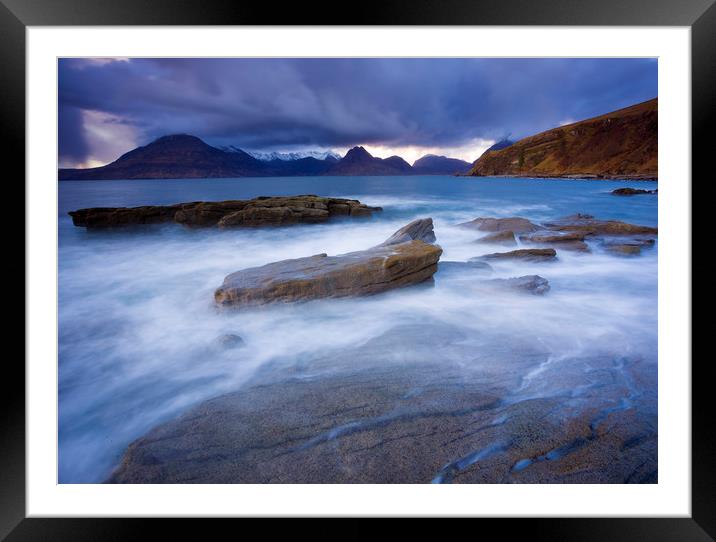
(573, 177)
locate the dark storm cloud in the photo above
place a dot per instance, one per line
(282, 103)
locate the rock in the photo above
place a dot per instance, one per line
(366, 272)
(513, 224)
(588, 225)
(363, 418)
(551, 237)
(575, 246)
(632, 191)
(110, 217)
(567, 241)
(229, 341)
(526, 254)
(261, 211)
(420, 229)
(505, 238)
(451, 267)
(624, 250)
(533, 284)
(644, 242)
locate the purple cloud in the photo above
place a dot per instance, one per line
(289, 103)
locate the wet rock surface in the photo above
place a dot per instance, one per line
(513, 224)
(624, 249)
(573, 241)
(632, 191)
(524, 254)
(402, 260)
(533, 284)
(229, 341)
(551, 237)
(418, 230)
(367, 416)
(503, 238)
(261, 211)
(449, 267)
(589, 225)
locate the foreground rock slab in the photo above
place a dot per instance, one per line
(261, 211)
(403, 260)
(356, 416)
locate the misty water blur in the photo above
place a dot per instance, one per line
(138, 331)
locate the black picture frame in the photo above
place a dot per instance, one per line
(16, 15)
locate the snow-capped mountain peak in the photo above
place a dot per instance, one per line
(267, 156)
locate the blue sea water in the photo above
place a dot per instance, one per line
(137, 328)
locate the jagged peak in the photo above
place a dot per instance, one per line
(358, 152)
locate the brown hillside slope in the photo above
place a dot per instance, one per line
(621, 144)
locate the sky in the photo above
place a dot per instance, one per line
(454, 107)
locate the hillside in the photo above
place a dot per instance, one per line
(359, 161)
(621, 144)
(178, 156)
(431, 164)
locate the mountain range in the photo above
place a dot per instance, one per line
(620, 144)
(183, 156)
(268, 156)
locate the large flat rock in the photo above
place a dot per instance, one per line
(359, 415)
(261, 211)
(404, 259)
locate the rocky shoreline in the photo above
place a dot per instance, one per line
(571, 177)
(257, 212)
(354, 417)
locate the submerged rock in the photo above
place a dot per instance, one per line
(514, 224)
(475, 266)
(632, 191)
(589, 225)
(229, 341)
(505, 238)
(366, 272)
(527, 254)
(533, 284)
(261, 211)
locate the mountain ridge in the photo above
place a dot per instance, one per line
(618, 144)
(432, 164)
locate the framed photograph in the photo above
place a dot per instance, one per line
(433, 262)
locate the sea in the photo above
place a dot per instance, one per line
(138, 328)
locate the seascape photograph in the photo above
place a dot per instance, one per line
(357, 270)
